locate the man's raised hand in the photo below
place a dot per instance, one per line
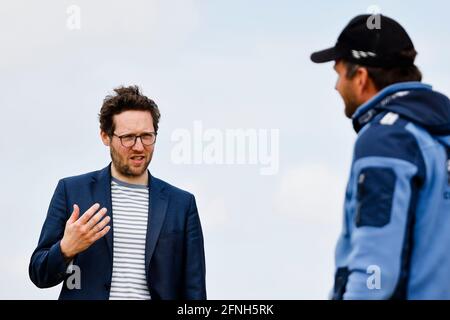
(81, 233)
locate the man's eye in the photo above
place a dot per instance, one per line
(128, 137)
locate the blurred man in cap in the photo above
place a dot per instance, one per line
(396, 233)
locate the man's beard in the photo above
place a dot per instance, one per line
(124, 168)
(351, 103)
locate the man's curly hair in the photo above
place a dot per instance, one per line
(125, 99)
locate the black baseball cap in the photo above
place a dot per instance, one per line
(370, 40)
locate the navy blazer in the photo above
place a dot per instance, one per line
(174, 254)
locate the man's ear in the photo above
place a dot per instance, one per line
(366, 87)
(105, 138)
(363, 80)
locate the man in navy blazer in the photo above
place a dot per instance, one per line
(118, 252)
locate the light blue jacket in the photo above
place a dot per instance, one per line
(395, 241)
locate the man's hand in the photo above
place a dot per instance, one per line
(80, 234)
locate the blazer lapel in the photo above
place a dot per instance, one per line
(158, 202)
(102, 194)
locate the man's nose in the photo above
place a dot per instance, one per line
(138, 145)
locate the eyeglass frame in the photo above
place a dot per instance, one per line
(135, 139)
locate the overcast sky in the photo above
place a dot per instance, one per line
(223, 65)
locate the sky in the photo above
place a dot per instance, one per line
(271, 213)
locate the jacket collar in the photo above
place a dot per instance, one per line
(368, 110)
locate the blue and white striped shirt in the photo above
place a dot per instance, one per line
(129, 215)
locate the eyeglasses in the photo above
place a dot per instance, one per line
(129, 140)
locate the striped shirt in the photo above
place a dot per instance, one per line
(129, 215)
